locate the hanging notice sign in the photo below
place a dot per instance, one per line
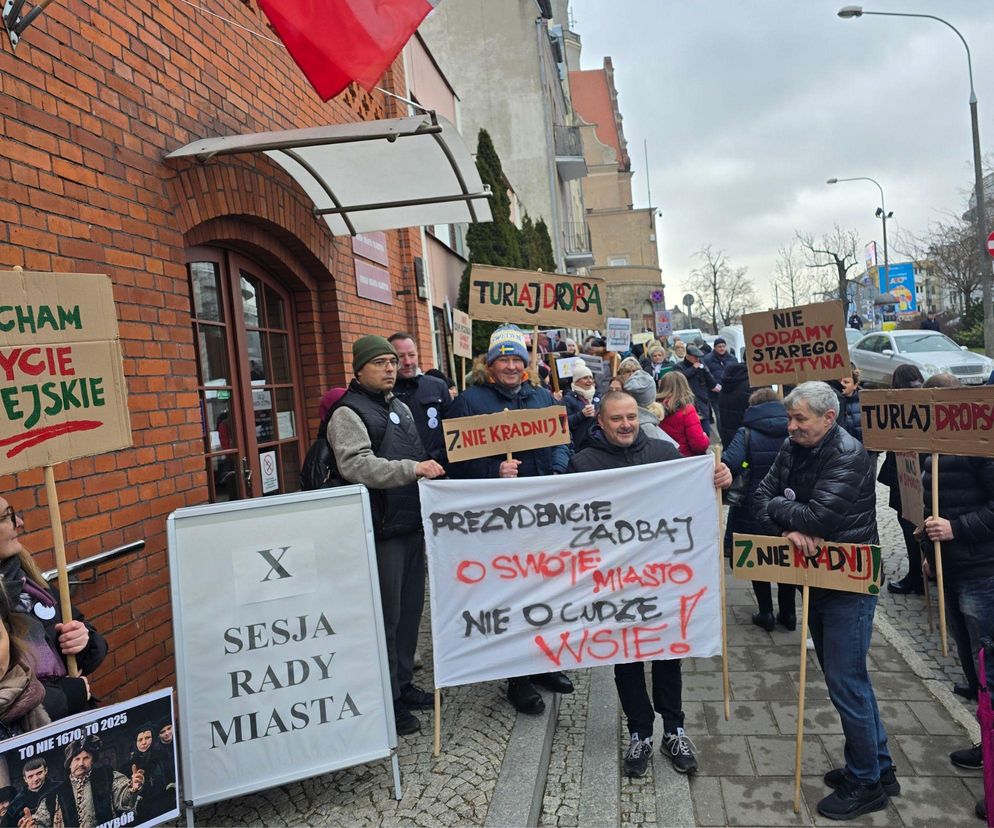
(537, 574)
(63, 393)
(531, 297)
(943, 420)
(848, 567)
(521, 429)
(797, 344)
(122, 757)
(280, 654)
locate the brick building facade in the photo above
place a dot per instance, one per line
(237, 307)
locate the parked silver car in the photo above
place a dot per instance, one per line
(878, 354)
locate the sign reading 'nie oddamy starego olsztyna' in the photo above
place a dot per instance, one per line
(530, 297)
(62, 389)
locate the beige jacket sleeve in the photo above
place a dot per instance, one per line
(353, 452)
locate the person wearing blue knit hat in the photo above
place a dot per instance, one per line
(506, 387)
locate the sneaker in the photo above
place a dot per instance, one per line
(637, 756)
(852, 799)
(417, 698)
(888, 780)
(681, 751)
(970, 758)
(406, 722)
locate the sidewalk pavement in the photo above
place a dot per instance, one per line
(497, 769)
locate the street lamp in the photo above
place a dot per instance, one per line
(847, 12)
(881, 214)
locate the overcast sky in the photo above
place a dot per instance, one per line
(749, 106)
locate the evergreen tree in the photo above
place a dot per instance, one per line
(536, 246)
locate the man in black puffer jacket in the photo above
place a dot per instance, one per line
(618, 442)
(821, 487)
(733, 400)
(965, 527)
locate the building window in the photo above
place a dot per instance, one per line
(617, 261)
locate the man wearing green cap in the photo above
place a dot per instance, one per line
(375, 442)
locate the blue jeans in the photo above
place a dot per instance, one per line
(841, 624)
(970, 615)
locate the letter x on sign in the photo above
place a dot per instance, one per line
(275, 567)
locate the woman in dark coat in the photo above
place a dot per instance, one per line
(733, 400)
(765, 422)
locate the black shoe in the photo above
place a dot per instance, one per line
(981, 809)
(556, 682)
(637, 756)
(787, 620)
(906, 586)
(523, 695)
(417, 698)
(888, 780)
(966, 691)
(970, 758)
(681, 751)
(764, 620)
(852, 799)
(407, 723)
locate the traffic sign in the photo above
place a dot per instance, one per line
(990, 244)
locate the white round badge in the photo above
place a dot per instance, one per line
(789, 494)
(45, 613)
(394, 418)
(432, 413)
(433, 423)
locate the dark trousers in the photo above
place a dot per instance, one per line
(667, 694)
(785, 597)
(914, 551)
(401, 565)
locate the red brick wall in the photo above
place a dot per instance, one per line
(95, 96)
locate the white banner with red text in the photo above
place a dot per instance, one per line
(566, 572)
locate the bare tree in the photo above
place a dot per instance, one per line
(726, 292)
(949, 249)
(836, 250)
(793, 281)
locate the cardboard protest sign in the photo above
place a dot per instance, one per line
(485, 435)
(797, 344)
(129, 785)
(63, 393)
(664, 323)
(462, 334)
(909, 478)
(847, 567)
(531, 297)
(943, 420)
(532, 575)
(642, 338)
(283, 673)
(565, 365)
(619, 333)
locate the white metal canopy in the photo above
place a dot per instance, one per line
(371, 175)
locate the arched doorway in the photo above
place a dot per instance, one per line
(248, 376)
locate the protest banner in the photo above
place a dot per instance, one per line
(485, 435)
(940, 420)
(843, 566)
(664, 323)
(462, 334)
(533, 575)
(909, 479)
(280, 653)
(121, 748)
(619, 334)
(642, 338)
(529, 297)
(793, 345)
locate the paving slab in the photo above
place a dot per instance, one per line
(767, 802)
(600, 791)
(775, 755)
(936, 800)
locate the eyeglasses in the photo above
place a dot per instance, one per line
(384, 362)
(10, 514)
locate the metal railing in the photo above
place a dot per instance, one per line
(567, 140)
(576, 237)
(94, 561)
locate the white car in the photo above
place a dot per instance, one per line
(878, 354)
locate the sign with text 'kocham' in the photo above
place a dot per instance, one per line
(531, 297)
(485, 435)
(537, 574)
(62, 393)
(943, 420)
(847, 567)
(797, 344)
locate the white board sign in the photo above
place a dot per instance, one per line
(280, 654)
(565, 572)
(270, 475)
(619, 334)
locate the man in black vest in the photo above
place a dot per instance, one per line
(428, 397)
(375, 442)
(37, 785)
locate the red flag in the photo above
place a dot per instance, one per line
(335, 42)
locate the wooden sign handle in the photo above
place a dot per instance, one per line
(937, 549)
(725, 681)
(802, 680)
(60, 556)
(536, 379)
(438, 721)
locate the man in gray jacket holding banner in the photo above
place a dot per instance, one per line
(375, 442)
